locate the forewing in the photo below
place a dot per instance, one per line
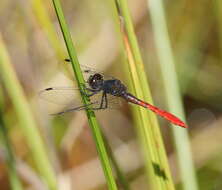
(60, 95)
(58, 99)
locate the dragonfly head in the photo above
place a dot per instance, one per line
(95, 81)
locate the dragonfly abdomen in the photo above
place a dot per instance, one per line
(170, 117)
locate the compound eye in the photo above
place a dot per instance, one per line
(95, 80)
(98, 77)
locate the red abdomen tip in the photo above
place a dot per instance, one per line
(173, 119)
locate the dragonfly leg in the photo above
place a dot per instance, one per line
(104, 99)
(93, 92)
(101, 104)
(83, 107)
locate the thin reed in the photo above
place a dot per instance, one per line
(81, 83)
(174, 45)
(27, 123)
(173, 96)
(147, 126)
(15, 182)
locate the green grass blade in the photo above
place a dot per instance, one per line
(120, 175)
(13, 177)
(172, 92)
(81, 83)
(26, 119)
(148, 128)
(218, 10)
(151, 138)
(46, 24)
(10, 160)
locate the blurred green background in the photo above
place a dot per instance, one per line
(36, 49)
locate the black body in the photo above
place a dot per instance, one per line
(113, 87)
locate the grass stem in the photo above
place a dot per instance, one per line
(27, 123)
(172, 90)
(81, 83)
(148, 128)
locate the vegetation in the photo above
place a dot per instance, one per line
(168, 53)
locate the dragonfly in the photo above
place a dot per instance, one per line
(110, 89)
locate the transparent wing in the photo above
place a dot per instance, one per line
(57, 99)
(87, 71)
(68, 99)
(114, 102)
(60, 95)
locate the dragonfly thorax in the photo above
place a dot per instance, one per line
(114, 87)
